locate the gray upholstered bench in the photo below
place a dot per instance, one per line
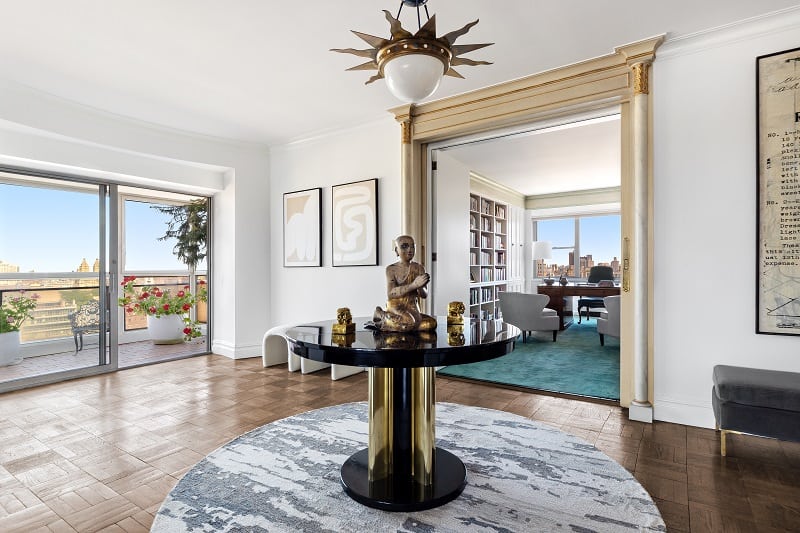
(760, 402)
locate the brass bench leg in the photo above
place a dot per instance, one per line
(723, 448)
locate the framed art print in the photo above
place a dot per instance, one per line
(355, 223)
(778, 225)
(302, 228)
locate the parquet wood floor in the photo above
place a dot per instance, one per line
(101, 453)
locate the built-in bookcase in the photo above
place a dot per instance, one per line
(489, 254)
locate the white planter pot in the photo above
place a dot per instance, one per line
(166, 329)
(9, 348)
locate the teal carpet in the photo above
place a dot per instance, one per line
(574, 364)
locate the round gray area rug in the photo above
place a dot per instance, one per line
(521, 476)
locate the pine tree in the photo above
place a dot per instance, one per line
(188, 226)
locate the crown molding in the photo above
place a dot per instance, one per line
(330, 133)
(507, 192)
(605, 195)
(776, 21)
(18, 94)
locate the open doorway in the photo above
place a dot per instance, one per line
(558, 181)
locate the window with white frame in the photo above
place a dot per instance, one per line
(578, 244)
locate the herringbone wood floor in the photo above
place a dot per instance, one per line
(101, 453)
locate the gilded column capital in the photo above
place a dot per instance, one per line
(640, 77)
(405, 128)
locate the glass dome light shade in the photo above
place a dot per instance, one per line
(413, 77)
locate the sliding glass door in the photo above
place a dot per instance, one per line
(54, 283)
(163, 255)
(70, 248)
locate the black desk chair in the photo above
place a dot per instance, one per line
(596, 275)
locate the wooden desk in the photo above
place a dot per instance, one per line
(557, 293)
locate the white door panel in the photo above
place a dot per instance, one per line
(450, 233)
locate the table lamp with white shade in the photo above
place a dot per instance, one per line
(543, 250)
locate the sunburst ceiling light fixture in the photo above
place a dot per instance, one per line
(413, 64)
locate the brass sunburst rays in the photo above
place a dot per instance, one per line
(424, 41)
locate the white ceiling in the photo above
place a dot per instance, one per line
(260, 70)
(573, 157)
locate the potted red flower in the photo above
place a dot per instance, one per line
(167, 312)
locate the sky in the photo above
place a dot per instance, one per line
(50, 230)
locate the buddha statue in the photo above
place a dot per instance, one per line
(406, 283)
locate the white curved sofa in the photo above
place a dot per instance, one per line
(275, 351)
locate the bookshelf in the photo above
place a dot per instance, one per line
(489, 254)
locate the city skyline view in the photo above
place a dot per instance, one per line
(598, 243)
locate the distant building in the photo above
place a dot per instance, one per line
(8, 267)
(50, 321)
(586, 262)
(615, 268)
(84, 266)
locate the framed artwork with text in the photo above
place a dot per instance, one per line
(354, 211)
(778, 229)
(302, 228)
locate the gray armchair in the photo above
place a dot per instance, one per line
(608, 322)
(528, 313)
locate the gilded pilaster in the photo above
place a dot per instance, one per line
(637, 277)
(410, 193)
(405, 131)
(641, 78)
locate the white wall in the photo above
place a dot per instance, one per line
(314, 293)
(43, 132)
(704, 107)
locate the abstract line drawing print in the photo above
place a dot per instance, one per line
(302, 235)
(355, 223)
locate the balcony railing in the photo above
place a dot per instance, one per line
(60, 294)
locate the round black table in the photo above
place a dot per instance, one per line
(402, 469)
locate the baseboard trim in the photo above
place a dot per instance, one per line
(683, 413)
(233, 351)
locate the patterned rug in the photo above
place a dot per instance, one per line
(521, 476)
